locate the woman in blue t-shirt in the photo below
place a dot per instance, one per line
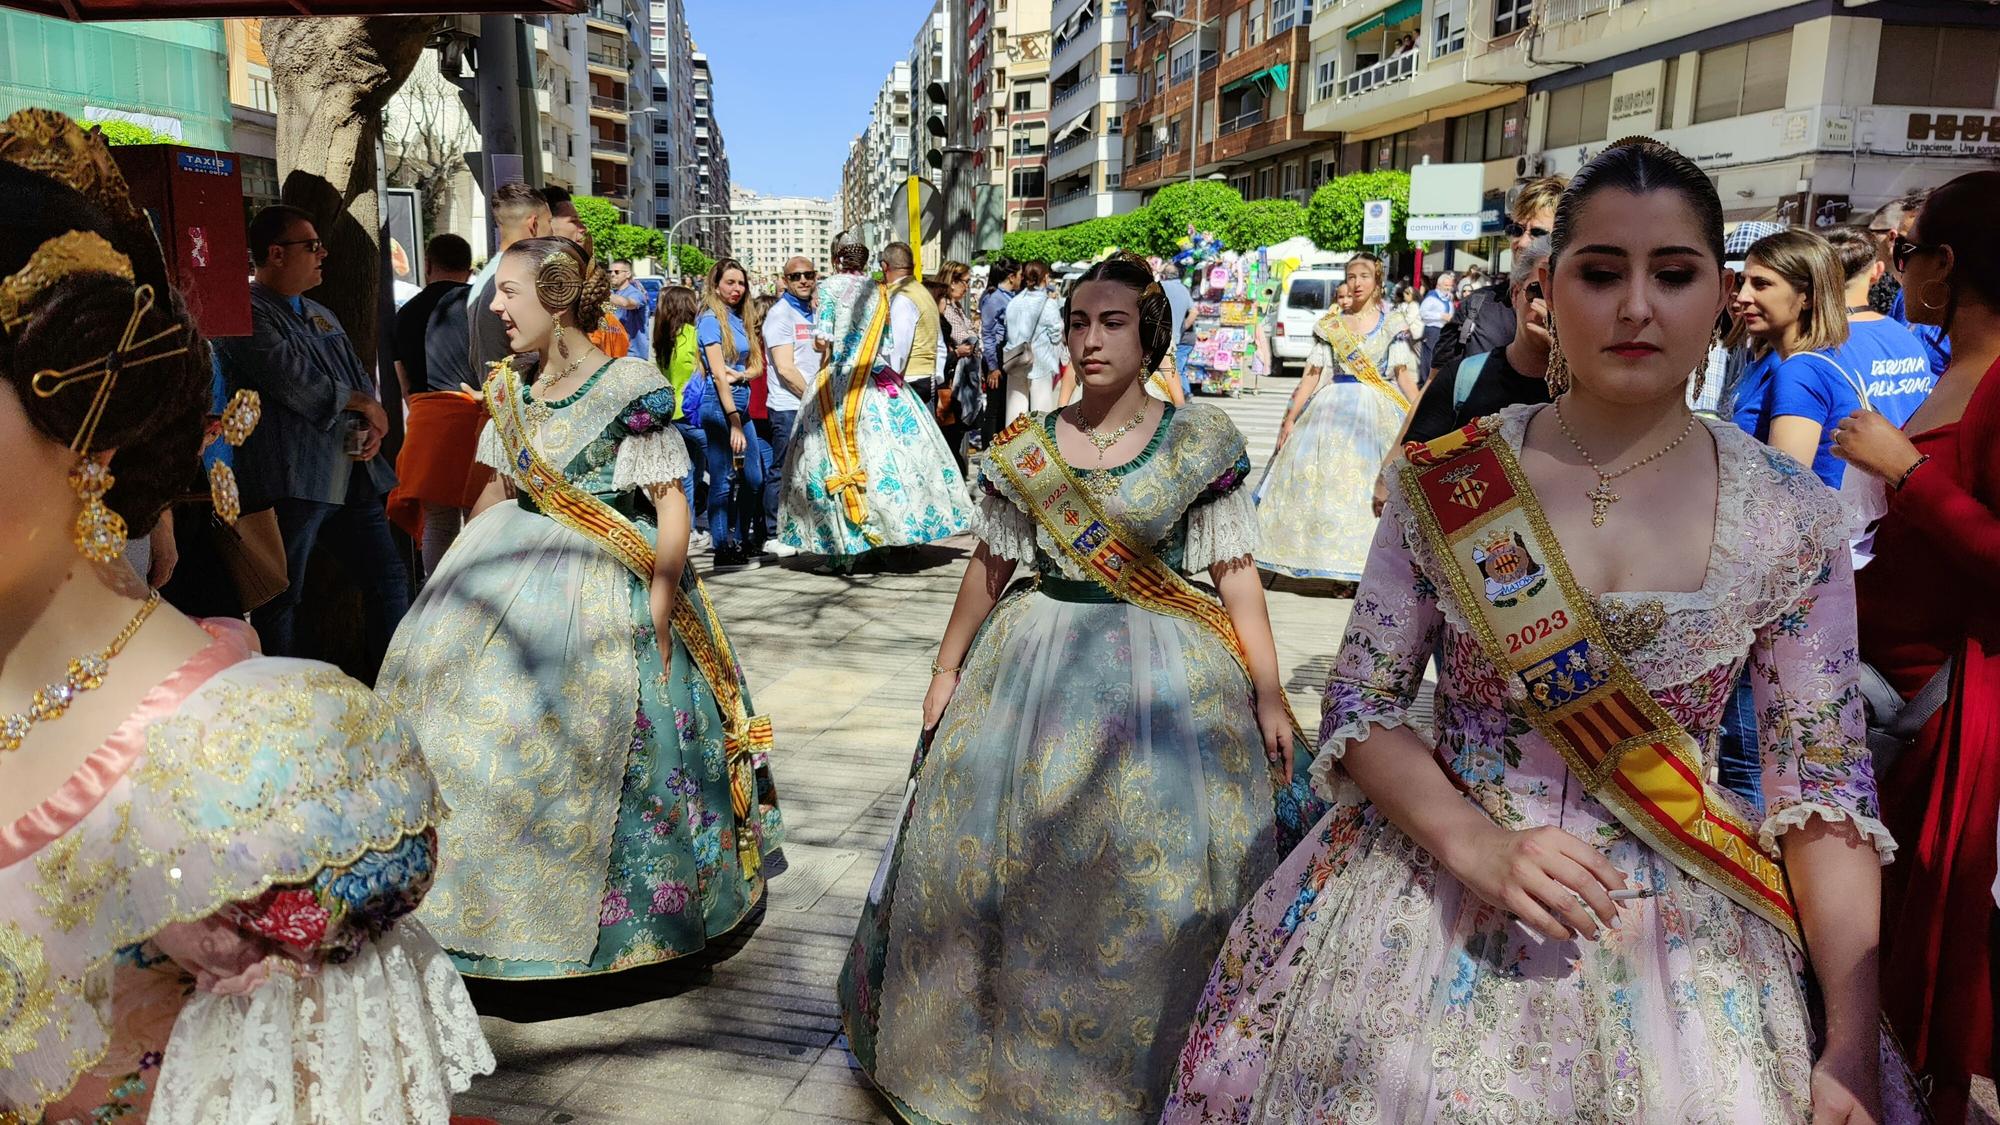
(735, 459)
(1790, 306)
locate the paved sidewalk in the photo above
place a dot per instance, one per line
(752, 1033)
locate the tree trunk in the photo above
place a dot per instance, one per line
(334, 77)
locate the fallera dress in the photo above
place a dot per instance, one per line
(907, 478)
(209, 921)
(1093, 808)
(1315, 503)
(1363, 983)
(583, 759)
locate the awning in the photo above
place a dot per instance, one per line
(1082, 120)
(87, 11)
(1396, 13)
(1280, 76)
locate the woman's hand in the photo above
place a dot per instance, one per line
(1284, 431)
(1846, 1087)
(1276, 726)
(1537, 874)
(737, 442)
(938, 697)
(1872, 443)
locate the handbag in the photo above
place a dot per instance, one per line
(1019, 359)
(253, 555)
(1893, 723)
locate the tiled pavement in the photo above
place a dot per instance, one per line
(751, 1033)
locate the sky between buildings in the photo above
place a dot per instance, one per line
(795, 79)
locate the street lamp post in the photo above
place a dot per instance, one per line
(1194, 119)
(674, 263)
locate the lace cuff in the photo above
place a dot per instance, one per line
(1007, 531)
(386, 1036)
(1785, 817)
(490, 452)
(1328, 779)
(659, 457)
(1221, 530)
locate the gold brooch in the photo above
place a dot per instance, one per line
(1632, 628)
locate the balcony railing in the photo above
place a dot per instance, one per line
(599, 101)
(1384, 73)
(607, 58)
(1570, 11)
(1065, 197)
(1080, 137)
(609, 146)
(1066, 93)
(1242, 120)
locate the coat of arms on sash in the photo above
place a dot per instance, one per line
(1511, 572)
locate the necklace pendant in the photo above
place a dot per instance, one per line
(1601, 499)
(1100, 482)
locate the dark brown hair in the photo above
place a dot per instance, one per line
(153, 417)
(679, 308)
(1156, 313)
(1960, 215)
(850, 257)
(1640, 165)
(1854, 248)
(567, 280)
(1034, 275)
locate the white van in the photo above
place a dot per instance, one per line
(1307, 295)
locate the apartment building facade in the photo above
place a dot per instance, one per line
(1090, 88)
(562, 100)
(769, 230)
(671, 52)
(1246, 58)
(1021, 41)
(711, 157)
(879, 164)
(1813, 113)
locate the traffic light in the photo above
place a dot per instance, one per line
(934, 123)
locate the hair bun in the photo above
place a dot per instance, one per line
(592, 296)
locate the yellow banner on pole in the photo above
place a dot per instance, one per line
(916, 229)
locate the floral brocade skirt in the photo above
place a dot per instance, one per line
(1316, 503)
(1092, 810)
(914, 491)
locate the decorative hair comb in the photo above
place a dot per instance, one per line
(53, 145)
(65, 255)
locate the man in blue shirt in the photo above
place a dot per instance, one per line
(1890, 362)
(1003, 278)
(317, 455)
(628, 303)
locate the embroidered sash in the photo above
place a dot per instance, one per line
(1507, 571)
(1353, 357)
(746, 736)
(1100, 547)
(849, 482)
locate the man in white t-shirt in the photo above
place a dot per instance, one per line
(1435, 310)
(793, 364)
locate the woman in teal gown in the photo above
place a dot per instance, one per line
(1096, 800)
(586, 758)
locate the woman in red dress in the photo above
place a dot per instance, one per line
(1928, 598)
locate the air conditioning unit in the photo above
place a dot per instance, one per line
(1536, 165)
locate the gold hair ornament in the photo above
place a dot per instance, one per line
(66, 255)
(100, 532)
(51, 144)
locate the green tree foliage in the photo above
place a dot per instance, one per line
(1078, 242)
(631, 242)
(600, 218)
(693, 262)
(1264, 222)
(1333, 218)
(126, 133)
(1159, 226)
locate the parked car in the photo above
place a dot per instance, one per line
(1308, 293)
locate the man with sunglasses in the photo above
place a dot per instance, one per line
(793, 363)
(1484, 320)
(316, 458)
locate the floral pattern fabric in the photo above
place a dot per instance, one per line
(914, 491)
(1364, 983)
(592, 802)
(1092, 809)
(1315, 503)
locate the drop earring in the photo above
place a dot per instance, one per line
(1700, 376)
(1558, 377)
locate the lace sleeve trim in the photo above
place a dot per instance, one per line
(1221, 530)
(1328, 779)
(1007, 531)
(1797, 814)
(490, 453)
(656, 458)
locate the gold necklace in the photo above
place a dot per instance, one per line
(1601, 497)
(85, 673)
(1099, 479)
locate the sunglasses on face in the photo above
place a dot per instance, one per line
(312, 245)
(1516, 230)
(1903, 248)
(803, 275)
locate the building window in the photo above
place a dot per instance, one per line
(1232, 36)
(1484, 135)
(1938, 66)
(1256, 33)
(1291, 179)
(1670, 80)
(1028, 183)
(1448, 28)
(1117, 64)
(1287, 14)
(1579, 114)
(1023, 101)
(1743, 78)
(1510, 16)
(262, 95)
(1326, 76)
(1394, 151)
(1112, 180)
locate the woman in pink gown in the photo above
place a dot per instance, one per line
(1446, 946)
(206, 856)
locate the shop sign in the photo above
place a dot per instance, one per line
(1441, 228)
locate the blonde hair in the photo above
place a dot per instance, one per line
(1535, 196)
(1809, 264)
(711, 298)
